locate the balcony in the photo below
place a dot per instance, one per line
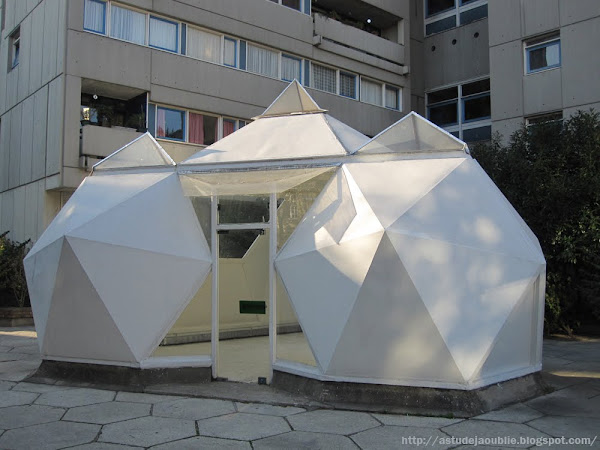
(99, 142)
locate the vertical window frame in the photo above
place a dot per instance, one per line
(177, 31)
(528, 48)
(460, 6)
(296, 58)
(185, 118)
(356, 85)
(235, 52)
(104, 3)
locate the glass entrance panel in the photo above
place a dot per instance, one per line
(243, 305)
(238, 209)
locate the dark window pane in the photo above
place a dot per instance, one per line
(169, 123)
(473, 14)
(456, 134)
(546, 118)
(546, 55)
(291, 4)
(442, 95)
(478, 134)
(235, 243)
(347, 85)
(438, 6)
(443, 115)
(243, 209)
(440, 25)
(477, 108)
(476, 87)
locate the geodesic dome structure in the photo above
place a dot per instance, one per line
(407, 267)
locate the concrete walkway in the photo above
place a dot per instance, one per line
(40, 416)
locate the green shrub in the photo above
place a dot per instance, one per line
(13, 285)
(551, 175)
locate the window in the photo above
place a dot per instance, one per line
(203, 129)
(262, 61)
(392, 97)
(94, 16)
(544, 119)
(324, 78)
(441, 15)
(203, 45)
(127, 25)
(15, 48)
(170, 123)
(230, 52)
(543, 55)
(463, 110)
(291, 68)
(163, 34)
(294, 4)
(371, 92)
(228, 126)
(347, 84)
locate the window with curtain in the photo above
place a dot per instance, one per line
(392, 97)
(203, 45)
(94, 16)
(127, 25)
(371, 92)
(163, 34)
(228, 126)
(324, 78)
(348, 84)
(262, 61)
(290, 68)
(170, 123)
(230, 52)
(203, 129)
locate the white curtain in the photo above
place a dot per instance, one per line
(290, 68)
(203, 45)
(229, 53)
(163, 34)
(371, 92)
(262, 61)
(93, 18)
(127, 25)
(347, 85)
(391, 97)
(323, 78)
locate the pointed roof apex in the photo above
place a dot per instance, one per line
(293, 100)
(414, 134)
(143, 151)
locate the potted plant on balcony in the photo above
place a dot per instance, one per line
(15, 309)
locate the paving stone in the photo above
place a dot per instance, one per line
(242, 426)
(566, 426)
(49, 436)
(6, 348)
(12, 356)
(138, 397)
(39, 388)
(516, 413)
(269, 410)
(337, 422)
(15, 376)
(147, 431)
(26, 415)
(75, 397)
(103, 413)
(193, 408)
(305, 440)
(6, 385)
(415, 421)
(32, 349)
(21, 365)
(204, 443)
(494, 430)
(392, 437)
(482, 447)
(103, 446)
(571, 402)
(12, 398)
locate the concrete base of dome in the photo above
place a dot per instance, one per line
(116, 377)
(410, 399)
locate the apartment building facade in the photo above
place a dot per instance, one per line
(80, 78)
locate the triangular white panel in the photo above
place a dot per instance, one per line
(322, 286)
(95, 195)
(326, 221)
(274, 138)
(413, 134)
(392, 187)
(79, 326)
(469, 293)
(464, 208)
(389, 334)
(293, 100)
(142, 290)
(147, 222)
(514, 344)
(141, 152)
(348, 136)
(41, 270)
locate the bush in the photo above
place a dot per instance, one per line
(13, 285)
(551, 175)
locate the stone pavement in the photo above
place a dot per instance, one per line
(41, 416)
